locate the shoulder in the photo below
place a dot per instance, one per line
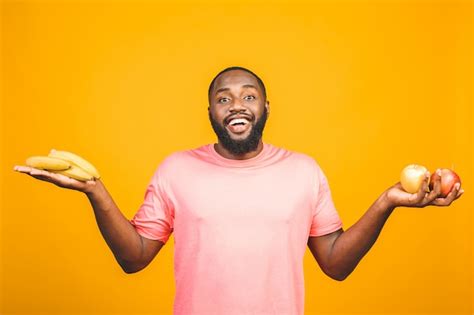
(306, 164)
(300, 159)
(180, 160)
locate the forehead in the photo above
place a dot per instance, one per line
(235, 78)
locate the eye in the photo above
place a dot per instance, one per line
(223, 100)
(249, 97)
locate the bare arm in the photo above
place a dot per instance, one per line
(132, 251)
(340, 252)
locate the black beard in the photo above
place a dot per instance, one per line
(240, 147)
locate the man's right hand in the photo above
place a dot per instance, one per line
(132, 251)
(57, 179)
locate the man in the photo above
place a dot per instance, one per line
(242, 212)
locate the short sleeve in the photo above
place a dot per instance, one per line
(325, 216)
(154, 218)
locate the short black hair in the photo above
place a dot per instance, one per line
(260, 82)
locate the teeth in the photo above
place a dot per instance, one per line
(237, 121)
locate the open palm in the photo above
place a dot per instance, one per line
(400, 198)
(57, 179)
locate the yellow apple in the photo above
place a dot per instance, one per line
(412, 177)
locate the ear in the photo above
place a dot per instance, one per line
(267, 105)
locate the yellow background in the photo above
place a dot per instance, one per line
(365, 87)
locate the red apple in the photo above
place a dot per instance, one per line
(412, 177)
(448, 179)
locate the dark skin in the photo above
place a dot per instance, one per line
(237, 93)
(337, 253)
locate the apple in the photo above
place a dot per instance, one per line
(448, 179)
(412, 177)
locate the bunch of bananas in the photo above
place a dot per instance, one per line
(65, 163)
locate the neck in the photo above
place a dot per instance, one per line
(228, 155)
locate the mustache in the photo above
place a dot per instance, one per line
(243, 146)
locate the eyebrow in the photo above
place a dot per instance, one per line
(245, 86)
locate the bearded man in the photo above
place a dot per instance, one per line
(242, 212)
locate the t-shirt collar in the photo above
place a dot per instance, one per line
(254, 161)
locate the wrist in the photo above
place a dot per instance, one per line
(386, 204)
(93, 191)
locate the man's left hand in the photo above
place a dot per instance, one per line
(397, 197)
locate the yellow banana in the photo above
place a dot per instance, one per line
(76, 173)
(75, 160)
(47, 163)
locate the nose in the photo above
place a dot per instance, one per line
(237, 105)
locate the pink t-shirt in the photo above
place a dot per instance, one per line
(240, 227)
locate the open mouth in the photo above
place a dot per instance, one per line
(238, 125)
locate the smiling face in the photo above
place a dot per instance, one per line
(238, 111)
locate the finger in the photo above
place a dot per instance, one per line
(437, 183)
(449, 198)
(36, 173)
(439, 202)
(436, 191)
(30, 170)
(419, 198)
(22, 169)
(453, 193)
(460, 192)
(42, 175)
